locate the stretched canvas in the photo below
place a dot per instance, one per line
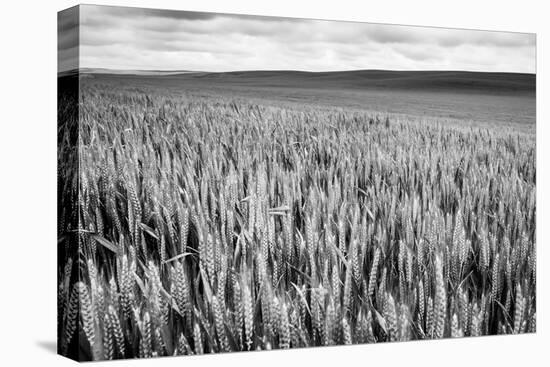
(234, 183)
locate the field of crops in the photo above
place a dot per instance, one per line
(191, 225)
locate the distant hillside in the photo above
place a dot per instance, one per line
(451, 81)
(455, 81)
(104, 71)
(132, 72)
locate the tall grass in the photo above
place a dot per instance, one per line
(201, 227)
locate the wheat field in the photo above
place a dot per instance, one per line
(190, 225)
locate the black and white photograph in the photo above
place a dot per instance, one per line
(231, 183)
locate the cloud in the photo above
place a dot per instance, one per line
(67, 39)
(127, 12)
(115, 37)
(420, 54)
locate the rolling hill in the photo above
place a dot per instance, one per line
(451, 81)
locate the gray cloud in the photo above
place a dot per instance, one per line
(67, 39)
(132, 38)
(126, 12)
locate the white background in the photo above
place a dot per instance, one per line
(28, 181)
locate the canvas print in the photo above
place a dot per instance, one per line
(240, 183)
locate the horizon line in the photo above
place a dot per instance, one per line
(186, 71)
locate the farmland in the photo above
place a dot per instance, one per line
(219, 212)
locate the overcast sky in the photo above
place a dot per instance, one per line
(133, 38)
